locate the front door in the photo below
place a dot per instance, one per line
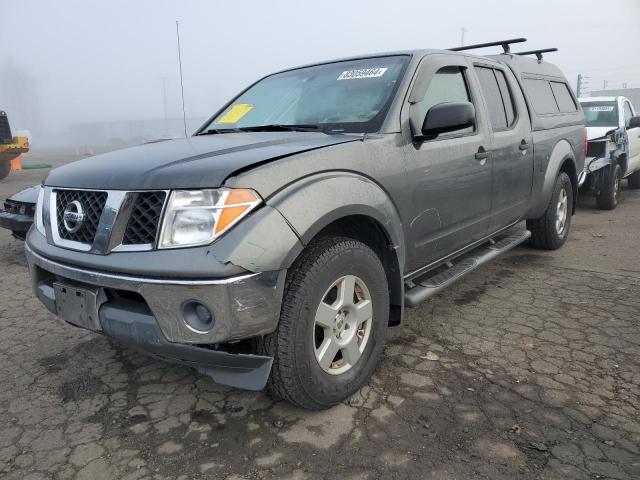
(448, 177)
(634, 140)
(512, 146)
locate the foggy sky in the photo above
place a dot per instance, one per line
(66, 61)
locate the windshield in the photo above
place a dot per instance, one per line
(350, 96)
(601, 114)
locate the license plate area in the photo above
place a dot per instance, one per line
(79, 305)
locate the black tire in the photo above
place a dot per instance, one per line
(296, 375)
(634, 180)
(5, 168)
(609, 195)
(544, 231)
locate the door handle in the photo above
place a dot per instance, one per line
(523, 145)
(482, 154)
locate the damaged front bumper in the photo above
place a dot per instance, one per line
(594, 169)
(19, 224)
(149, 313)
(602, 152)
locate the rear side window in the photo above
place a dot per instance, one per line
(507, 98)
(563, 97)
(499, 101)
(491, 92)
(541, 95)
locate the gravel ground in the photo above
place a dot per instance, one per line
(528, 368)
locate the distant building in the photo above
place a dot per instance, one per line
(130, 132)
(632, 94)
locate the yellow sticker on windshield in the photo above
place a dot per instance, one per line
(235, 113)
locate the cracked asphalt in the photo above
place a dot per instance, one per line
(529, 368)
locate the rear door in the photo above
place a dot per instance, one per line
(449, 177)
(634, 139)
(511, 147)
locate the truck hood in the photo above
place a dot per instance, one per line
(598, 132)
(195, 162)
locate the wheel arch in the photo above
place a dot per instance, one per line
(569, 167)
(372, 233)
(622, 159)
(562, 159)
(353, 206)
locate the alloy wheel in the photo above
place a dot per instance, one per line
(342, 325)
(562, 212)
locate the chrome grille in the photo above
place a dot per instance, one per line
(92, 204)
(144, 221)
(102, 221)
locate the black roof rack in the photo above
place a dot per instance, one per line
(537, 53)
(504, 43)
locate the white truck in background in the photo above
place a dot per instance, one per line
(613, 153)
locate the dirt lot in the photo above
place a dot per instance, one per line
(529, 368)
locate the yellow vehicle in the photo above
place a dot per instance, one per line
(10, 147)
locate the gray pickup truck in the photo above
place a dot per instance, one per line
(274, 246)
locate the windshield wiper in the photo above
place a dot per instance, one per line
(277, 127)
(215, 131)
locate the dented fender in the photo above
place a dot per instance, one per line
(262, 242)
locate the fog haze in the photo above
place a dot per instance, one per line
(69, 62)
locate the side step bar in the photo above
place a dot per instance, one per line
(431, 284)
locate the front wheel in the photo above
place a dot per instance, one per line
(609, 195)
(332, 325)
(550, 231)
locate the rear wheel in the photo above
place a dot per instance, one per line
(332, 324)
(634, 180)
(5, 168)
(550, 231)
(609, 194)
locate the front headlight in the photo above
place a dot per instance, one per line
(37, 215)
(198, 217)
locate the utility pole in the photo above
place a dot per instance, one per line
(462, 32)
(184, 113)
(579, 86)
(604, 84)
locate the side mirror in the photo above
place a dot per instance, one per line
(448, 117)
(634, 122)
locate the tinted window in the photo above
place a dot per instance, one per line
(507, 98)
(627, 113)
(541, 96)
(492, 95)
(600, 114)
(563, 97)
(447, 86)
